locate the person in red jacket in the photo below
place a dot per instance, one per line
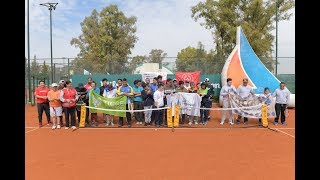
(68, 97)
(41, 93)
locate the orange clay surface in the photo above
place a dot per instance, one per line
(209, 152)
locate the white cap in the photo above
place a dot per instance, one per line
(207, 79)
(54, 84)
(61, 81)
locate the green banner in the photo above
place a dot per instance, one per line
(118, 103)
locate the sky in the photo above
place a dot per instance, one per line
(165, 24)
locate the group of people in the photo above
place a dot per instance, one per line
(281, 94)
(151, 96)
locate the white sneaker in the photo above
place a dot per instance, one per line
(221, 123)
(66, 128)
(73, 127)
(190, 123)
(141, 122)
(54, 126)
(231, 123)
(58, 126)
(195, 122)
(112, 124)
(137, 123)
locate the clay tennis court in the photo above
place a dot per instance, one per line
(213, 151)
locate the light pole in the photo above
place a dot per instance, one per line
(51, 6)
(29, 69)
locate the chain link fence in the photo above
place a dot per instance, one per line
(64, 68)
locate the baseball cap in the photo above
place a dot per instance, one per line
(203, 84)
(207, 79)
(245, 79)
(61, 81)
(54, 85)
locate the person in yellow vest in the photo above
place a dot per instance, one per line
(205, 103)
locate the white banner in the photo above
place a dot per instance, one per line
(151, 75)
(237, 101)
(189, 102)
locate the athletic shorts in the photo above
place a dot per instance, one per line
(55, 111)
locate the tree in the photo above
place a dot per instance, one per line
(256, 18)
(135, 62)
(34, 68)
(106, 41)
(44, 73)
(156, 56)
(197, 59)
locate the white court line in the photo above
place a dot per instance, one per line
(152, 128)
(285, 133)
(35, 128)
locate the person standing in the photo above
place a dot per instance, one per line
(181, 88)
(158, 97)
(104, 85)
(110, 92)
(244, 90)
(94, 115)
(282, 95)
(168, 92)
(210, 94)
(205, 103)
(175, 84)
(265, 98)
(41, 93)
(137, 101)
(126, 90)
(225, 91)
(147, 81)
(148, 101)
(88, 85)
(119, 81)
(154, 85)
(192, 89)
(82, 92)
(55, 105)
(68, 97)
(62, 84)
(187, 84)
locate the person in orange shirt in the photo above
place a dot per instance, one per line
(41, 93)
(55, 106)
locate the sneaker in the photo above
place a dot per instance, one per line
(245, 122)
(111, 123)
(93, 125)
(54, 126)
(107, 124)
(73, 127)
(190, 123)
(231, 123)
(205, 123)
(195, 122)
(275, 123)
(238, 121)
(221, 123)
(129, 126)
(137, 123)
(284, 124)
(66, 128)
(58, 126)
